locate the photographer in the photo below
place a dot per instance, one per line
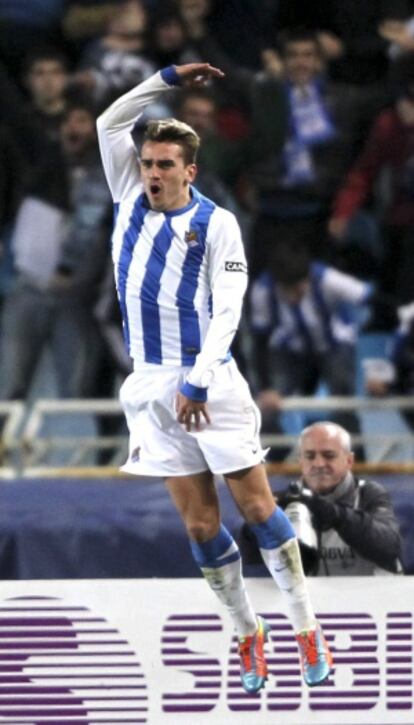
(345, 525)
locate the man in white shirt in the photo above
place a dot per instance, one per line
(181, 274)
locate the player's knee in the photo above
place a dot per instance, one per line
(202, 530)
(257, 510)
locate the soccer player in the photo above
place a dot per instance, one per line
(181, 274)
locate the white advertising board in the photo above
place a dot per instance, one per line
(163, 652)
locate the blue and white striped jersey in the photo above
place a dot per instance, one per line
(326, 314)
(180, 275)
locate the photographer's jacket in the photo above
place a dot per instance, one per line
(357, 531)
(363, 537)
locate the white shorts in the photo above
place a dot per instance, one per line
(160, 446)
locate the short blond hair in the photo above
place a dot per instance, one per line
(174, 131)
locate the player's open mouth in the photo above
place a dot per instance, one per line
(155, 189)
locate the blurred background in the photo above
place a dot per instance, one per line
(309, 140)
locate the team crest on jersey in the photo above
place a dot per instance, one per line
(191, 238)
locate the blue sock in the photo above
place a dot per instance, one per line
(280, 552)
(218, 551)
(273, 532)
(220, 562)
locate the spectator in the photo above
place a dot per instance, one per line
(399, 34)
(216, 161)
(296, 186)
(240, 27)
(347, 31)
(45, 75)
(117, 61)
(395, 374)
(86, 20)
(168, 45)
(34, 119)
(60, 248)
(355, 529)
(30, 141)
(300, 146)
(195, 16)
(169, 39)
(199, 108)
(304, 323)
(389, 148)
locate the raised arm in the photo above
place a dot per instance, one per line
(119, 156)
(115, 125)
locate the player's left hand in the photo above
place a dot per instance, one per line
(190, 412)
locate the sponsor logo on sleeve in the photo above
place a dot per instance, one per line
(235, 267)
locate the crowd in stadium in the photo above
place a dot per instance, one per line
(309, 139)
